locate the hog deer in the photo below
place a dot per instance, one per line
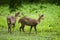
(30, 22)
(11, 20)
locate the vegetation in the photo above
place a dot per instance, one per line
(48, 28)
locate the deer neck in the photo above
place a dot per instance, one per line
(16, 16)
(39, 19)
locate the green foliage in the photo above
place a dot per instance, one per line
(14, 3)
(48, 28)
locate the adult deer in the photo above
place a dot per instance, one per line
(11, 20)
(30, 22)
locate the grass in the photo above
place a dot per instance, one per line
(48, 29)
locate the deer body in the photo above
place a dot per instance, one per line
(11, 20)
(30, 22)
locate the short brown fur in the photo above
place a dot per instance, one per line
(30, 22)
(11, 20)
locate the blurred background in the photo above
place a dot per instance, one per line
(48, 28)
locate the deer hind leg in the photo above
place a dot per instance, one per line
(22, 27)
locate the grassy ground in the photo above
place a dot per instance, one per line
(48, 29)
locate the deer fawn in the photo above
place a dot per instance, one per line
(11, 20)
(30, 22)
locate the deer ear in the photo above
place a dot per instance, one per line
(23, 14)
(17, 13)
(42, 15)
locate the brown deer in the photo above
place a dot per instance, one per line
(30, 22)
(11, 20)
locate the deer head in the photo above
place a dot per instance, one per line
(17, 14)
(40, 17)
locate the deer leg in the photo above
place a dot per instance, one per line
(13, 26)
(23, 28)
(20, 29)
(9, 28)
(35, 29)
(30, 29)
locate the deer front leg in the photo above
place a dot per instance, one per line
(13, 26)
(35, 29)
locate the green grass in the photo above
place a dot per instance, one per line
(47, 29)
